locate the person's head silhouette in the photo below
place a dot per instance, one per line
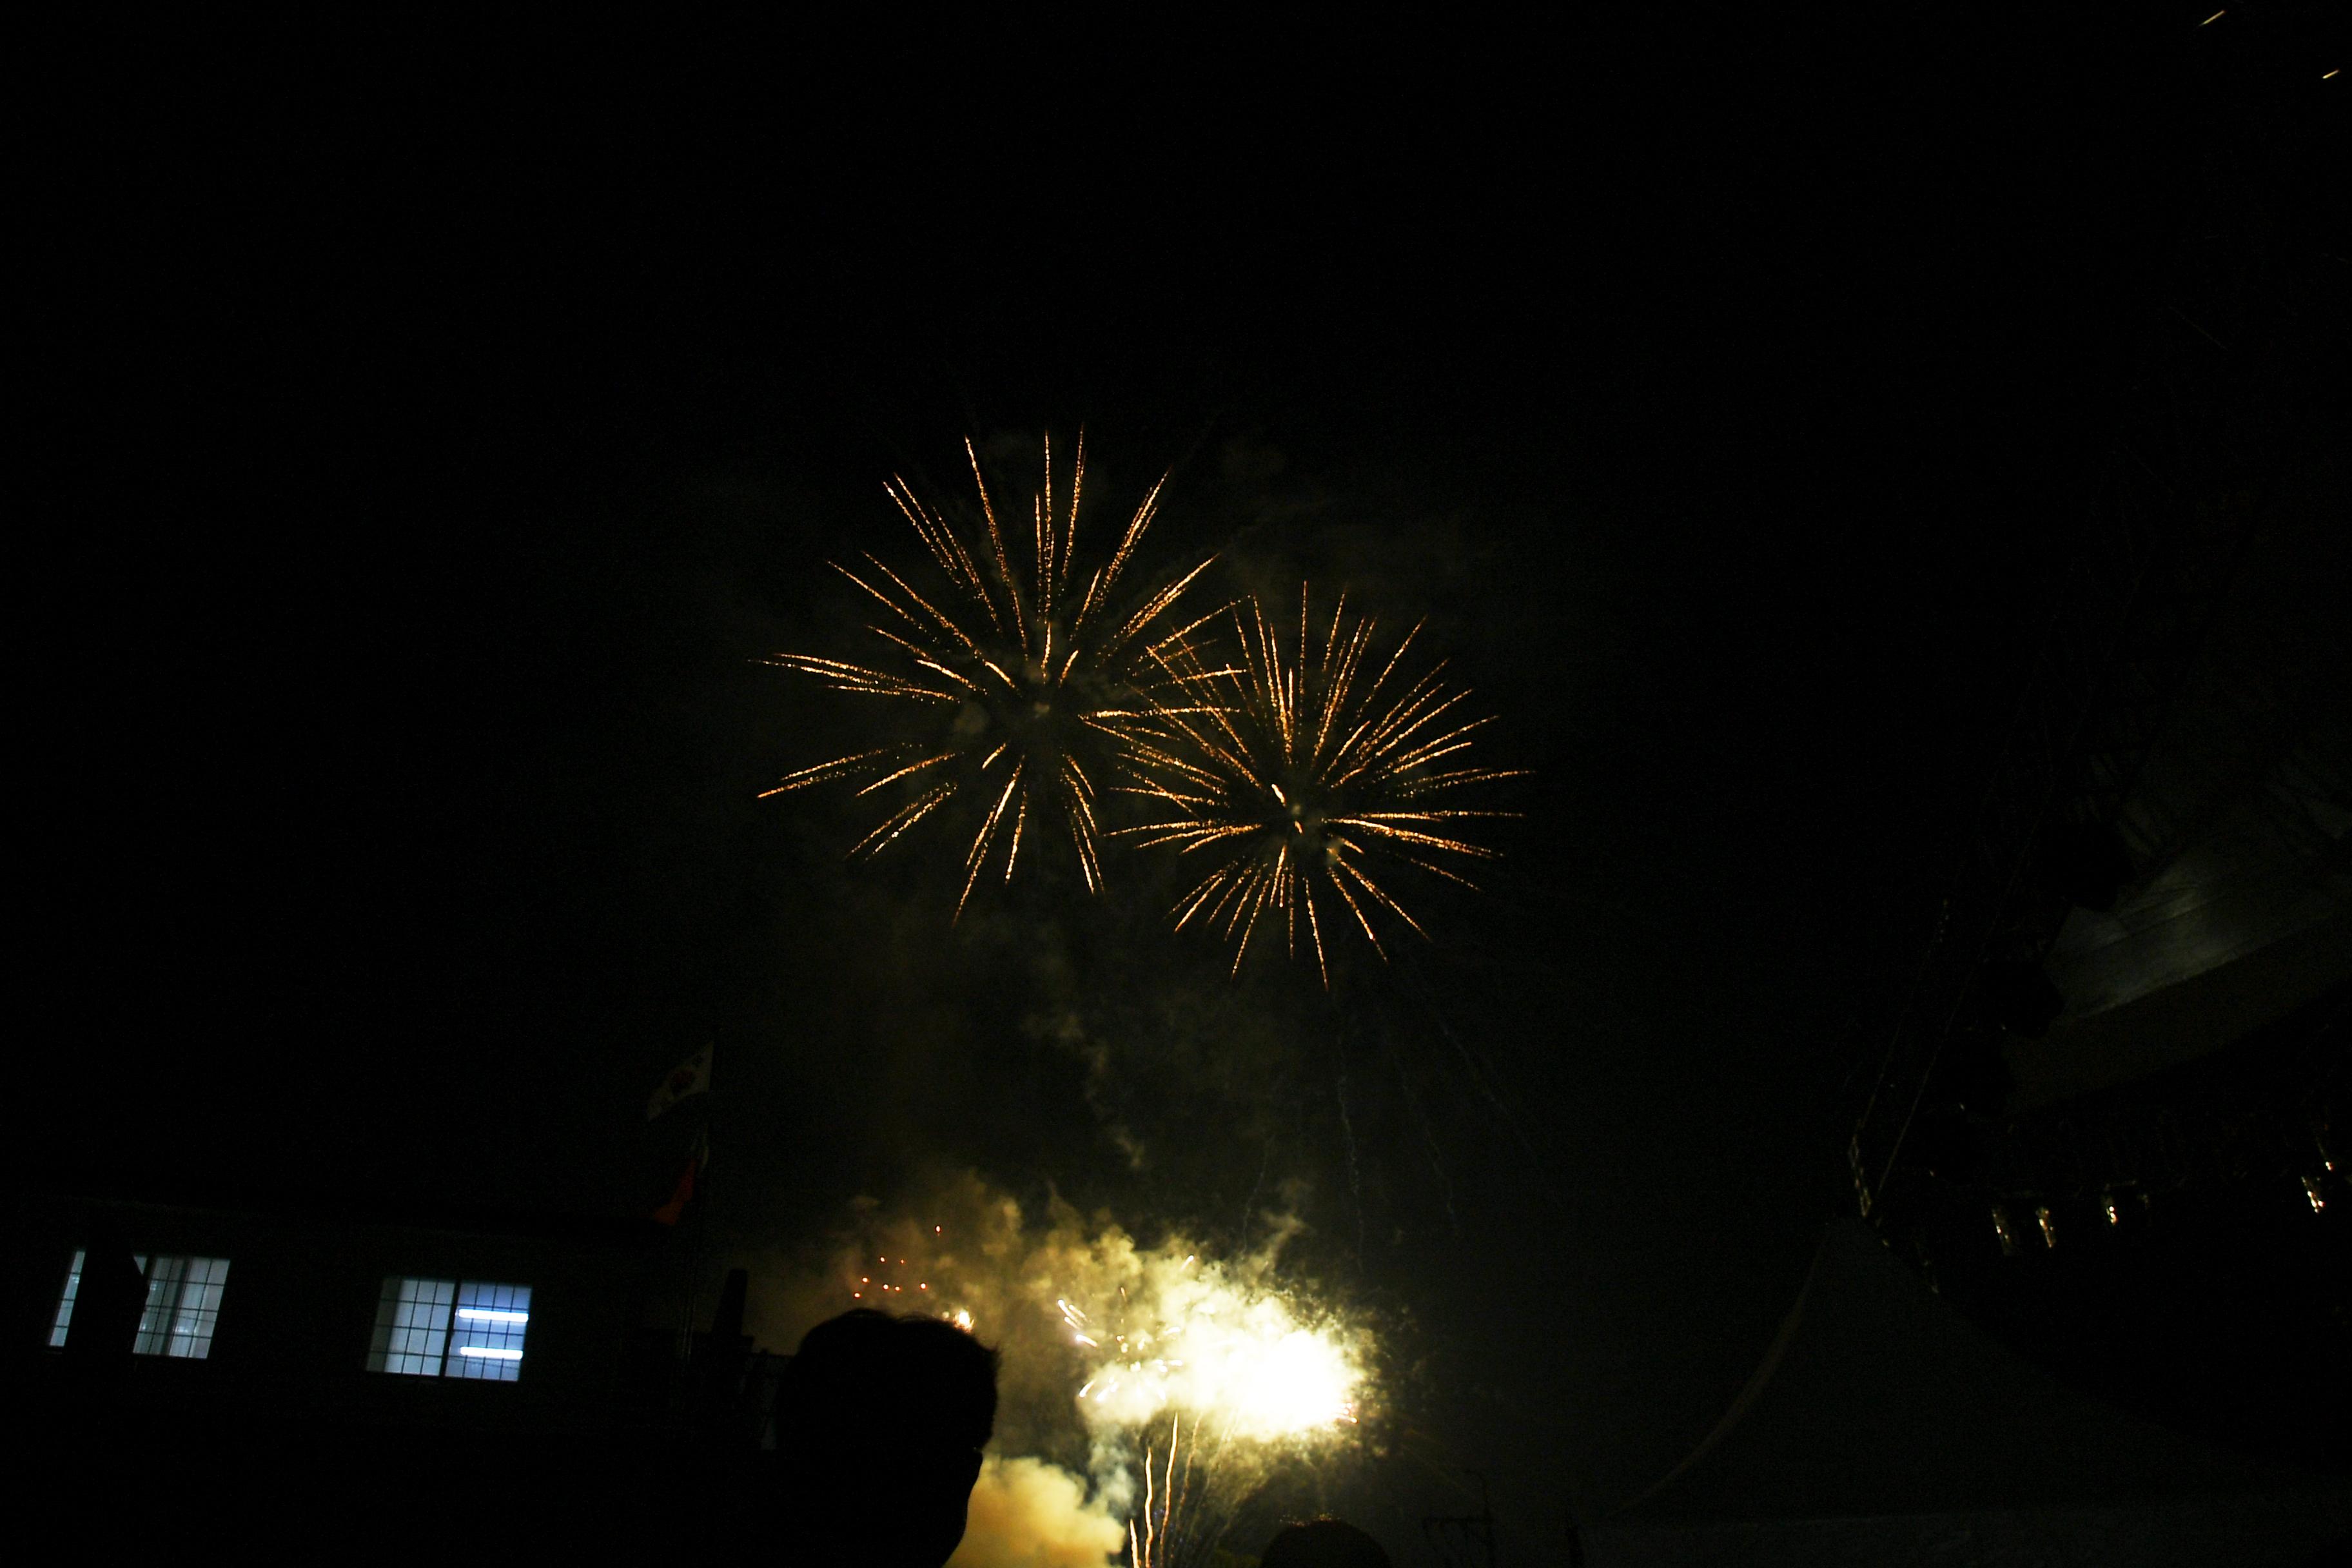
(879, 1425)
(1325, 1543)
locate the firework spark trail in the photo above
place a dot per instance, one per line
(1169, 1522)
(1301, 777)
(1018, 659)
(1482, 1076)
(1230, 1355)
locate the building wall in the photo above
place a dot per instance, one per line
(298, 1316)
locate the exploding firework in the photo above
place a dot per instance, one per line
(1307, 780)
(1176, 1382)
(1192, 1339)
(1027, 667)
(1200, 1376)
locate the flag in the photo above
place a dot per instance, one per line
(691, 1075)
(683, 1193)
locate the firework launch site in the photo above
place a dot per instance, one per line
(1529, 801)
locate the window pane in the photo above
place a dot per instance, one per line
(412, 1325)
(199, 1307)
(163, 1276)
(184, 1296)
(491, 1320)
(65, 1302)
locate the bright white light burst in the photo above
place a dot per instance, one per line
(1227, 1352)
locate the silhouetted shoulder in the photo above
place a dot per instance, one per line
(879, 1425)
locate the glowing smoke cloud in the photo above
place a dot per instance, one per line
(1199, 1378)
(1177, 1380)
(1026, 1513)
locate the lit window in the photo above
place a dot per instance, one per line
(183, 1296)
(442, 1328)
(412, 1325)
(65, 1303)
(487, 1340)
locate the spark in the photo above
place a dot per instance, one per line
(1205, 1375)
(1307, 779)
(1031, 657)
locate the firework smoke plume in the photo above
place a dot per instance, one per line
(1172, 1381)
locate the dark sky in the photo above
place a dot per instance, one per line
(424, 455)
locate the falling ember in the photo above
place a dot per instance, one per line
(1030, 656)
(1308, 774)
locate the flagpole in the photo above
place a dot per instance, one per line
(689, 1079)
(701, 1202)
(697, 1218)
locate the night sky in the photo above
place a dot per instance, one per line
(424, 457)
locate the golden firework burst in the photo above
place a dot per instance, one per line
(1307, 779)
(1024, 663)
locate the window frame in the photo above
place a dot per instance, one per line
(169, 1307)
(61, 1321)
(495, 1315)
(171, 1326)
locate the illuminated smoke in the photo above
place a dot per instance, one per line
(1027, 1513)
(1189, 1339)
(1176, 1381)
